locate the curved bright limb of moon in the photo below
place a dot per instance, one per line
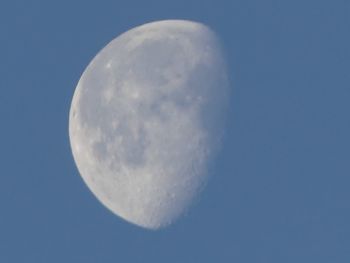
(146, 119)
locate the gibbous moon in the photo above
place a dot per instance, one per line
(147, 118)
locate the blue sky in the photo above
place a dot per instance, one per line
(280, 189)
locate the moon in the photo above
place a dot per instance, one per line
(147, 119)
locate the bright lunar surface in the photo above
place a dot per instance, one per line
(147, 118)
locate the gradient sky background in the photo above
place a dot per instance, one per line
(280, 189)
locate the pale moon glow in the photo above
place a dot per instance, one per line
(147, 117)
